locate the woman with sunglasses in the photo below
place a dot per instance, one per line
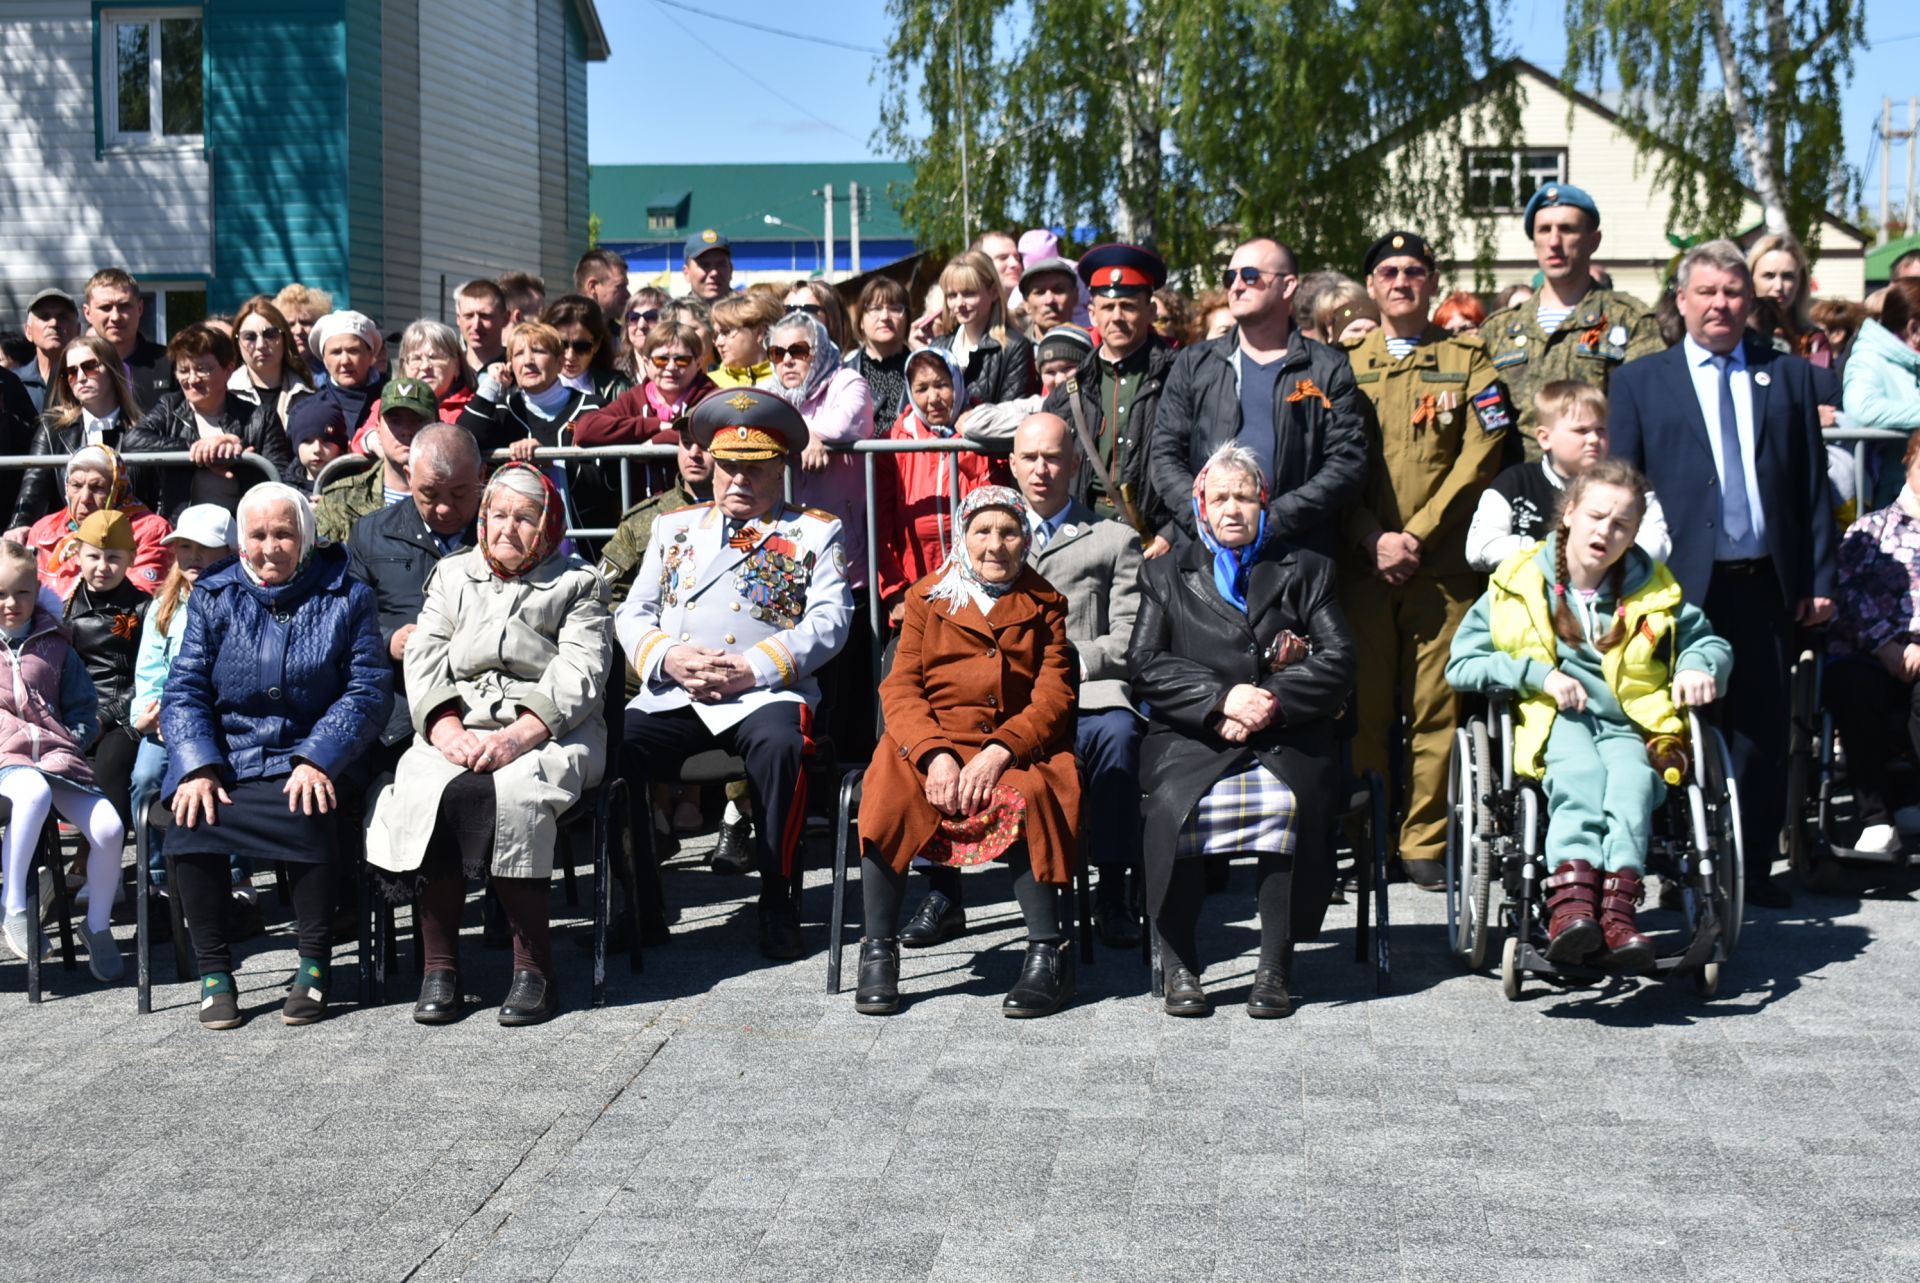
(89, 403)
(265, 338)
(674, 357)
(586, 348)
(645, 310)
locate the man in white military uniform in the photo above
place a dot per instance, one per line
(737, 604)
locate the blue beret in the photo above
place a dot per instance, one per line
(1551, 194)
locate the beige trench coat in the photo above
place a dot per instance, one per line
(541, 644)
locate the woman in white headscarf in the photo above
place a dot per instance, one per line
(279, 689)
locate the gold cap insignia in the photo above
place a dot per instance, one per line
(708, 236)
(1553, 193)
(1399, 242)
(740, 401)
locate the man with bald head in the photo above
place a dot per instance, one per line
(395, 549)
(1291, 400)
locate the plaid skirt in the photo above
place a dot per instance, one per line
(1252, 811)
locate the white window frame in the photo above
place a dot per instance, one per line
(1479, 163)
(108, 78)
(157, 290)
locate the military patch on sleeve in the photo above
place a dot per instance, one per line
(1490, 406)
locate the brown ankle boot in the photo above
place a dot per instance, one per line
(1573, 908)
(1627, 949)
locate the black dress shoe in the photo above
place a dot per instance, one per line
(1045, 983)
(530, 1001)
(733, 851)
(1768, 894)
(1113, 914)
(1428, 875)
(1185, 997)
(780, 930)
(936, 921)
(1269, 999)
(439, 1002)
(879, 992)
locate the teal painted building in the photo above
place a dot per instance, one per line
(384, 152)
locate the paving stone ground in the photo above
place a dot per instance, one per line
(721, 1119)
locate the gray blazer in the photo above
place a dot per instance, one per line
(1095, 564)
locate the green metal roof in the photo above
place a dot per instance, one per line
(735, 199)
(1880, 261)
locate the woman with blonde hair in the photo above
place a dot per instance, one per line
(995, 360)
(1781, 272)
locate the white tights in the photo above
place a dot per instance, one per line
(33, 793)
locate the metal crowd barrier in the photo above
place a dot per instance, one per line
(158, 458)
(1861, 438)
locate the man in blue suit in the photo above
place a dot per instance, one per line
(1728, 431)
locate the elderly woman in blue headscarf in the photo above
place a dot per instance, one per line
(279, 689)
(977, 760)
(1243, 662)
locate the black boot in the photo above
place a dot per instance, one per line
(936, 921)
(1185, 997)
(1046, 981)
(439, 1002)
(879, 992)
(1269, 999)
(529, 1001)
(733, 851)
(1113, 915)
(779, 924)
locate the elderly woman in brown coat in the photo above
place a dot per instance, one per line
(977, 758)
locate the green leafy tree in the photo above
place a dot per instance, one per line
(1189, 124)
(1725, 93)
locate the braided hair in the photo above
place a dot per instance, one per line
(1607, 472)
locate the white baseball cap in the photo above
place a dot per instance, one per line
(207, 524)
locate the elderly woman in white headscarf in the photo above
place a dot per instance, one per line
(280, 687)
(838, 407)
(507, 676)
(354, 353)
(977, 760)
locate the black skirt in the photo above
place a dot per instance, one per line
(258, 825)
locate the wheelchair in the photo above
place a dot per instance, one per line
(1823, 821)
(1496, 871)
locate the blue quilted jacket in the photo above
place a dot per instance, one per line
(268, 677)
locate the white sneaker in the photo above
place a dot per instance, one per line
(1877, 839)
(1907, 819)
(19, 931)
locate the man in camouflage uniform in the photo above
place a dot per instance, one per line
(1437, 421)
(1571, 328)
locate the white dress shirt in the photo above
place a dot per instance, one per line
(1704, 367)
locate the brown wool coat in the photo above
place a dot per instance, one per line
(960, 682)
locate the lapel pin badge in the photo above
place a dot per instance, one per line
(1763, 378)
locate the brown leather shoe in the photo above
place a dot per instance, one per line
(1573, 904)
(1627, 949)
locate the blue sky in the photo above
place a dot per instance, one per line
(663, 98)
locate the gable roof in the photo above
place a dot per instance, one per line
(735, 199)
(1522, 67)
(598, 50)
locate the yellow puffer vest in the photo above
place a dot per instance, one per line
(1640, 672)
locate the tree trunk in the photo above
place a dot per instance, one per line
(1139, 106)
(1760, 160)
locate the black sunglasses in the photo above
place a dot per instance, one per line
(579, 347)
(811, 309)
(1246, 275)
(651, 315)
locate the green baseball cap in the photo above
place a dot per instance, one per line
(406, 393)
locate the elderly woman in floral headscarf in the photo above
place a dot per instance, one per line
(280, 687)
(97, 480)
(507, 677)
(1242, 660)
(977, 759)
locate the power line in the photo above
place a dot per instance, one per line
(776, 31)
(799, 107)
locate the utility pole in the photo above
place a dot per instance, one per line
(1913, 132)
(853, 224)
(1910, 205)
(826, 268)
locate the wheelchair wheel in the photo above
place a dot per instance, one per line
(1469, 825)
(1510, 969)
(1459, 836)
(1480, 865)
(1728, 847)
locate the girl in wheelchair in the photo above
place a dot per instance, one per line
(1593, 639)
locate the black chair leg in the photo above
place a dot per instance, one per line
(620, 832)
(837, 918)
(62, 897)
(1383, 963)
(33, 926)
(185, 965)
(602, 903)
(280, 882)
(142, 924)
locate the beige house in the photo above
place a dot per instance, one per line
(1587, 146)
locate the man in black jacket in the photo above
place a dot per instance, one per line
(1289, 399)
(395, 549)
(1114, 397)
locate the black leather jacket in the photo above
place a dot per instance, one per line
(106, 636)
(170, 426)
